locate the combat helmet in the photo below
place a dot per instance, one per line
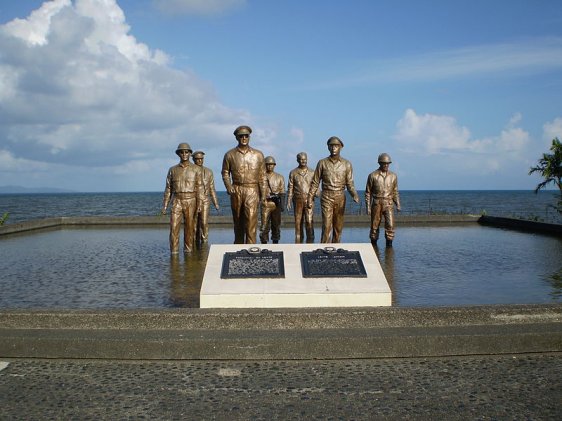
(270, 160)
(334, 140)
(198, 154)
(384, 158)
(184, 147)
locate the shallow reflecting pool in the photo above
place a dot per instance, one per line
(132, 268)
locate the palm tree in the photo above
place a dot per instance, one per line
(550, 168)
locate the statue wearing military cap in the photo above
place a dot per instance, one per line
(242, 130)
(272, 207)
(209, 194)
(381, 194)
(184, 187)
(336, 174)
(243, 174)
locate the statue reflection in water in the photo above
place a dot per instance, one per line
(386, 259)
(186, 277)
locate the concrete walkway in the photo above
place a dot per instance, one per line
(504, 387)
(489, 362)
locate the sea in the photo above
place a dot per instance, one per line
(524, 204)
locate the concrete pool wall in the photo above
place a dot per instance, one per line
(197, 334)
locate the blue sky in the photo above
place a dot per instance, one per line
(95, 95)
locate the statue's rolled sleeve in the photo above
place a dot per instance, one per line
(167, 191)
(225, 173)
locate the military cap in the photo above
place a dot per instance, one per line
(198, 154)
(242, 130)
(334, 140)
(270, 160)
(184, 147)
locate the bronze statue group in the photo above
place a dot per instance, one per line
(253, 185)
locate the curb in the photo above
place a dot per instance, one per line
(303, 334)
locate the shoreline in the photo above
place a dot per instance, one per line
(287, 221)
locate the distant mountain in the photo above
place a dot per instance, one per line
(20, 189)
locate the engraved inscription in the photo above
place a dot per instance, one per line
(332, 263)
(253, 263)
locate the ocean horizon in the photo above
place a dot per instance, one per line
(508, 203)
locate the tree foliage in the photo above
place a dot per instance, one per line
(550, 169)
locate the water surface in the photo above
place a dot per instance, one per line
(100, 268)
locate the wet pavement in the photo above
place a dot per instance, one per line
(514, 387)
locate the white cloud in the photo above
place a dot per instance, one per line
(35, 28)
(552, 129)
(431, 134)
(76, 88)
(198, 7)
(441, 135)
(532, 56)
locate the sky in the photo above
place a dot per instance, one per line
(95, 95)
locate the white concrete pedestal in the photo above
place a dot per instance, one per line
(294, 290)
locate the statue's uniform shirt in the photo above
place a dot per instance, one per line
(299, 182)
(381, 193)
(209, 194)
(183, 178)
(184, 184)
(243, 168)
(244, 173)
(270, 213)
(336, 174)
(297, 192)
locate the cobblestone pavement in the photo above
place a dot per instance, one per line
(510, 387)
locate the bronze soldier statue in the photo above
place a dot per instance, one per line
(381, 193)
(184, 185)
(209, 194)
(272, 207)
(243, 174)
(297, 195)
(336, 174)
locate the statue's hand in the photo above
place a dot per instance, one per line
(289, 205)
(230, 191)
(398, 209)
(163, 211)
(356, 199)
(368, 210)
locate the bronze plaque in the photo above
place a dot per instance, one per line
(330, 262)
(253, 263)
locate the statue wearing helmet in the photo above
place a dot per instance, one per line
(381, 194)
(184, 187)
(335, 174)
(209, 194)
(272, 207)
